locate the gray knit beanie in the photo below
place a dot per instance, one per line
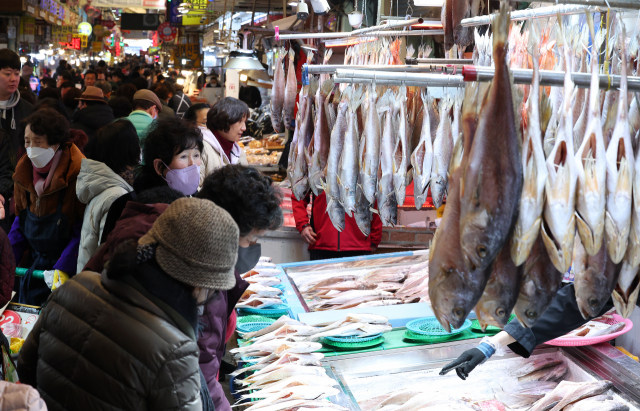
(197, 243)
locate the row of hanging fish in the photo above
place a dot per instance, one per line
(284, 372)
(518, 215)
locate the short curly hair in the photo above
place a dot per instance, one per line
(226, 112)
(50, 123)
(250, 197)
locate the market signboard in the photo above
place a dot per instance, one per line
(188, 52)
(62, 34)
(147, 4)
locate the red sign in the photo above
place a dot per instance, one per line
(118, 49)
(75, 43)
(107, 23)
(166, 32)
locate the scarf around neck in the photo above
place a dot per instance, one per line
(13, 101)
(232, 155)
(41, 183)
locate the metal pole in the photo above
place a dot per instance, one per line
(360, 32)
(622, 4)
(414, 61)
(342, 35)
(331, 68)
(539, 13)
(431, 79)
(408, 83)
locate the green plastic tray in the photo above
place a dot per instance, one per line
(254, 319)
(354, 346)
(432, 339)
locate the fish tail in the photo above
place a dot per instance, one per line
(357, 97)
(313, 85)
(500, 27)
(292, 54)
(327, 87)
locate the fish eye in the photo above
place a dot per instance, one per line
(500, 312)
(530, 314)
(482, 251)
(458, 312)
(593, 302)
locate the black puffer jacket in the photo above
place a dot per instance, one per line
(115, 344)
(91, 118)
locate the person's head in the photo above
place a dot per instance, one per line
(63, 64)
(139, 70)
(102, 64)
(228, 118)
(105, 86)
(170, 146)
(163, 195)
(117, 75)
(53, 104)
(171, 90)
(27, 70)
(63, 77)
(47, 82)
(148, 101)
(213, 80)
(70, 98)
(90, 78)
(101, 74)
(250, 197)
(45, 131)
(193, 241)
(140, 83)
(197, 114)
(66, 86)
(126, 90)
(92, 96)
(9, 73)
(173, 74)
(146, 73)
(117, 145)
(160, 78)
(161, 91)
(121, 107)
(49, 93)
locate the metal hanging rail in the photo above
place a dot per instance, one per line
(354, 33)
(539, 13)
(380, 33)
(414, 61)
(331, 68)
(473, 73)
(409, 83)
(621, 4)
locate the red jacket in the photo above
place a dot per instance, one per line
(328, 238)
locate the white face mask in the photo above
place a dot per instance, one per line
(40, 157)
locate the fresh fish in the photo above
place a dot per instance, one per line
(634, 115)
(304, 405)
(386, 274)
(633, 250)
(320, 141)
(585, 390)
(355, 318)
(554, 373)
(609, 330)
(388, 286)
(540, 283)
(296, 393)
(535, 388)
(595, 279)
(422, 157)
(501, 292)
(346, 296)
(289, 358)
(271, 388)
(462, 36)
(370, 148)
(300, 180)
(591, 166)
(625, 294)
(277, 96)
(335, 279)
(591, 404)
(348, 169)
(534, 169)
(286, 371)
(350, 285)
(386, 196)
(256, 301)
(559, 210)
(446, 17)
(331, 188)
(286, 331)
(402, 151)
(352, 329)
(393, 398)
(261, 291)
(273, 327)
(538, 363)
(380, 303)
(290, 91)
(620, 173)
(442, 151)
(492, 182)
(362, 213)
(264, 281)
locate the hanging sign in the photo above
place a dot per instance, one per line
(85, 29)
(84, 40)
(96, 46)
(166, 32)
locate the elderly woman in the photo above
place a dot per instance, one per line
(227, 122)
(49, 214)
(130, 333)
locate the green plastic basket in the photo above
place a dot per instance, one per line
(254, 319)
(252, 327)
(353, 338)
(432, 339)
(491, 329)
(353, 345)
(275, 311)
(430, 327)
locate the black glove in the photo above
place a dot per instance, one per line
(464, 364)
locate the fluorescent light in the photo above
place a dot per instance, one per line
(428, 3)
(184, 62)
(186, 72)
(243, 77)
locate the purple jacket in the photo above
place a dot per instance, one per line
(211, 341)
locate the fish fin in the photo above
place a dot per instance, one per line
(476, 193)
(500, 27)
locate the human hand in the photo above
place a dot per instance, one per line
(1, 207)
(374, 247)
(465, 363)
(308, 235)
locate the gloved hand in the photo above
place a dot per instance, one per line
(467, 361)
(55, 278)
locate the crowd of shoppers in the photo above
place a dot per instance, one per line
(142, 224)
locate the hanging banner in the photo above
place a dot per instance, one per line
(107, 24)
(28, 25)
(96, 46)
(84, 41)
(62, 34)
(194, 17)
(190, 53)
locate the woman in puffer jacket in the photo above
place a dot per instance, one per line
(105, 175)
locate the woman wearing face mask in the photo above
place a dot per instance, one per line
(227, 122)
(106, 175)
(134, 334)
(254, 203)
(197, 115)
(49, 214)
